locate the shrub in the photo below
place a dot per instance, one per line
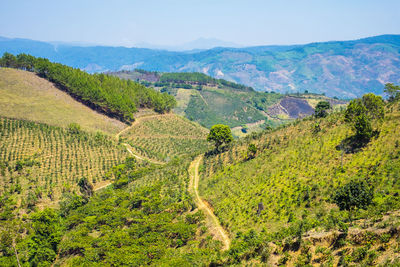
(355, 194)
(321, 110)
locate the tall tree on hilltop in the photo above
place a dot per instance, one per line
(221, 135)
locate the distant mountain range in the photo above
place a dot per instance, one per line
(338, 68)
(193, 46)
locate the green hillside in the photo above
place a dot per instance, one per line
(152, 221)
(210, 101)
(294, 177)
(313, 191)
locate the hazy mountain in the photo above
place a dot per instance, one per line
(198, 44)
(337, 68)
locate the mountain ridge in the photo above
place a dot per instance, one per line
(336, 68)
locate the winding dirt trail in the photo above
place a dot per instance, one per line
(137, 120)
(129, 148)
(212, 221)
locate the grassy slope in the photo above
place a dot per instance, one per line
(26, 96)
(162, 137)
(296, 172)
(60, 159)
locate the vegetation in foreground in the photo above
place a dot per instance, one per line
(299, 176)
(320, 174)
(147, 218)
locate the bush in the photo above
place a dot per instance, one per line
(355, 194)
(321, 109)
(251, 151)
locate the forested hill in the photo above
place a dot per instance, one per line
(105, 93)
(337, 68)
(178, 79)
(210, 101)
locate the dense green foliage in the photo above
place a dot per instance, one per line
(146, 222)
(321, 109)
(33, 240)
(108, 94)
(183, 77)
(360, 113)
(393, 91)
(220, 135)
(355, 194)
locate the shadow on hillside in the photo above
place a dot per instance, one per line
(216, 151)
(354, 144)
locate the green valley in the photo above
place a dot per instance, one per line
(309, 180)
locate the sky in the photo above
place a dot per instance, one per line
(174, 22)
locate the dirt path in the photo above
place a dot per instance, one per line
(128, 147)
(101, 185)
(137, 120)
(212, 221)
(203, 99)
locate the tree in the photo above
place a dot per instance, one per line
(8, 60)
(355, 194)
(85, 187)
(360, 112)
(393, 91)
(221, 135)
(374, 106)
(354, 108)
(321, 109)
(42, 246)
(355, 114)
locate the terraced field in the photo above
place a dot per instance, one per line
(38, 162)
(162, 137)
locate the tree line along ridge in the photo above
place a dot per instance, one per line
(105, 93)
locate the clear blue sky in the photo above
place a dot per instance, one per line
(172, 22)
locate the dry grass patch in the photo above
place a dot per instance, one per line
(23, 95)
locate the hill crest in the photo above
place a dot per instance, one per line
(336, 68)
